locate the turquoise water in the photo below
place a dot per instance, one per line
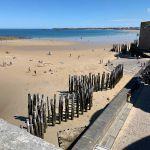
(90, 34)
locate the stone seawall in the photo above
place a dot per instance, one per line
(14, 138)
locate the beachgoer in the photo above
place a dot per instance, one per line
(35, 72)
(49, 53)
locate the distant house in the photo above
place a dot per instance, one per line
(144, 39)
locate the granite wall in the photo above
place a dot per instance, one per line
(144, 39)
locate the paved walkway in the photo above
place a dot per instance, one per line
(131, 66)
(135, 134)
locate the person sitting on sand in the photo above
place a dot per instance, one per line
(49, 53)
(10, 63)
(35, 72)
(78, 56)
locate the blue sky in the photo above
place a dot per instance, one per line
(72, 13)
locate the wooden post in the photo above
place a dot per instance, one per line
(107, 81)
(35, 126)
(28, 125)
(72, 107)
(72, 84)
(66, 108)
(90, 80)
(69, 84)
(30, 105)
(102, 81)
(31, 129)
(38, 104)
(30, 119)
(82, 101)
(95, 83)
(98, 81)
(61, 107)
(42, 125)
(59, 110)
(44, 117)
(48, 109)
(39, 126)
(110, 81)
(34, 102)
(113, 79)
(91, 97)
(85, 100)
(52, 110)
(77, 104)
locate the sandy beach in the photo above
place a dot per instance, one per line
(53, 61)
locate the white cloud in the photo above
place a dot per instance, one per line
(148, 10)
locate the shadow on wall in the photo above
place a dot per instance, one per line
(92, 120)
(143, 100)
(96, 115)
(142, 144)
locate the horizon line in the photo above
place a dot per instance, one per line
(72, 28)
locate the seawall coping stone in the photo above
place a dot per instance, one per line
(14, 138)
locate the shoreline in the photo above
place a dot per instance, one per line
(75, 38)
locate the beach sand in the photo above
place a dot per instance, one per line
(52, 73)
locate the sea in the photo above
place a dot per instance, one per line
(97, 35)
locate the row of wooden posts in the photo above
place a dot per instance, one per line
(98, 82)
(44, 111)
(121, 48)
(124, 48)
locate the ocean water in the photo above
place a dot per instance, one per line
(80, 34)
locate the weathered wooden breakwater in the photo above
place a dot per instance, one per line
(44, 111)
(121, 48)
(125, 48)
(99, 82)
